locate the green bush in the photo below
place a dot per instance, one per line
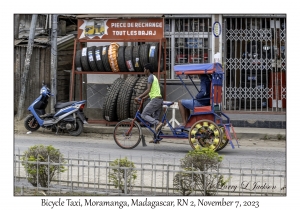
(204, 160)
(42, 174)
(119, 176)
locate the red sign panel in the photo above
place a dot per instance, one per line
(121, 29)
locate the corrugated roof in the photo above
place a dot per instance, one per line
(18, 41)
(42, 39)
(124, 16)
(188, 16)
(45, 40)
(24, 33)
(256, 15)
(66, 38)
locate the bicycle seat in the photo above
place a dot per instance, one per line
(168, 103)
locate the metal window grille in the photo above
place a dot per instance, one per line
(188, 41)
(255, 64)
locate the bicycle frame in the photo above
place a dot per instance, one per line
(177, 133)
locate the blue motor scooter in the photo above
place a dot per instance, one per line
(68, 116)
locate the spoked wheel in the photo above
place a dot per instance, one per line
(205, 133)
(125, 136)
(224, 140)
(31, 123)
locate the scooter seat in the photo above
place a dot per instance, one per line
(61, 105)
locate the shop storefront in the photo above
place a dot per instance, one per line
(251, 49)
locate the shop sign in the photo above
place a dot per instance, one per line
(217, 29)
(121, 29)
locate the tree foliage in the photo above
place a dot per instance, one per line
(39, 170)
(122, 173)
(203, 160)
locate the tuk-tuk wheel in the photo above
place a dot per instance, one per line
(205, 133)
(224, 140)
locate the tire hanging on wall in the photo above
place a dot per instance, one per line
(78, 66)
(139, 88)
(92, 58)
(136, 59)
(128, 58)
(84, 60)
(121, 59)
(124, 98)
(144, 54)
(98, 56)
(110, 101)
(154, 56)
(113, 57)
(105, 58)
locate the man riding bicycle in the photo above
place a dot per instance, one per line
(152, 110)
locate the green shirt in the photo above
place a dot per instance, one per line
(155, 88)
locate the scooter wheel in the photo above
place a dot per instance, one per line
(78, 129)
(31, 123)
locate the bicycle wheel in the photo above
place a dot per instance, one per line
(224, 140)
(205, 133)
(130, 140)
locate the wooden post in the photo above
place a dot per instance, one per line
(54, 62)
(26, 67)
(16, 26)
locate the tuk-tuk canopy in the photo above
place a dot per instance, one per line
(199, 68)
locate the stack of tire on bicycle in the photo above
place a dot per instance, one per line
(119, 100)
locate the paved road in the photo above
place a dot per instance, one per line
(258, 153)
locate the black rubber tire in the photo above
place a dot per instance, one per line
(136, 59)
(144, 54)
(154, 56)
(127, 141)
(78, 66)
(129, 58)
(124, 98)
(110, 100)
(78, 130)
(104, 105)
(92, 58)
(31, 123)
(98, 57)
(121, 59)
(84, 60)
(139, 88)
(224, 141)
(162, 90)
(105, 58)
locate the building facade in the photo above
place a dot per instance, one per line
(251, 49)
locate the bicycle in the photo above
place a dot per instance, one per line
(204, 128)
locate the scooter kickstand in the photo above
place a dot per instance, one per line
(56, 130)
